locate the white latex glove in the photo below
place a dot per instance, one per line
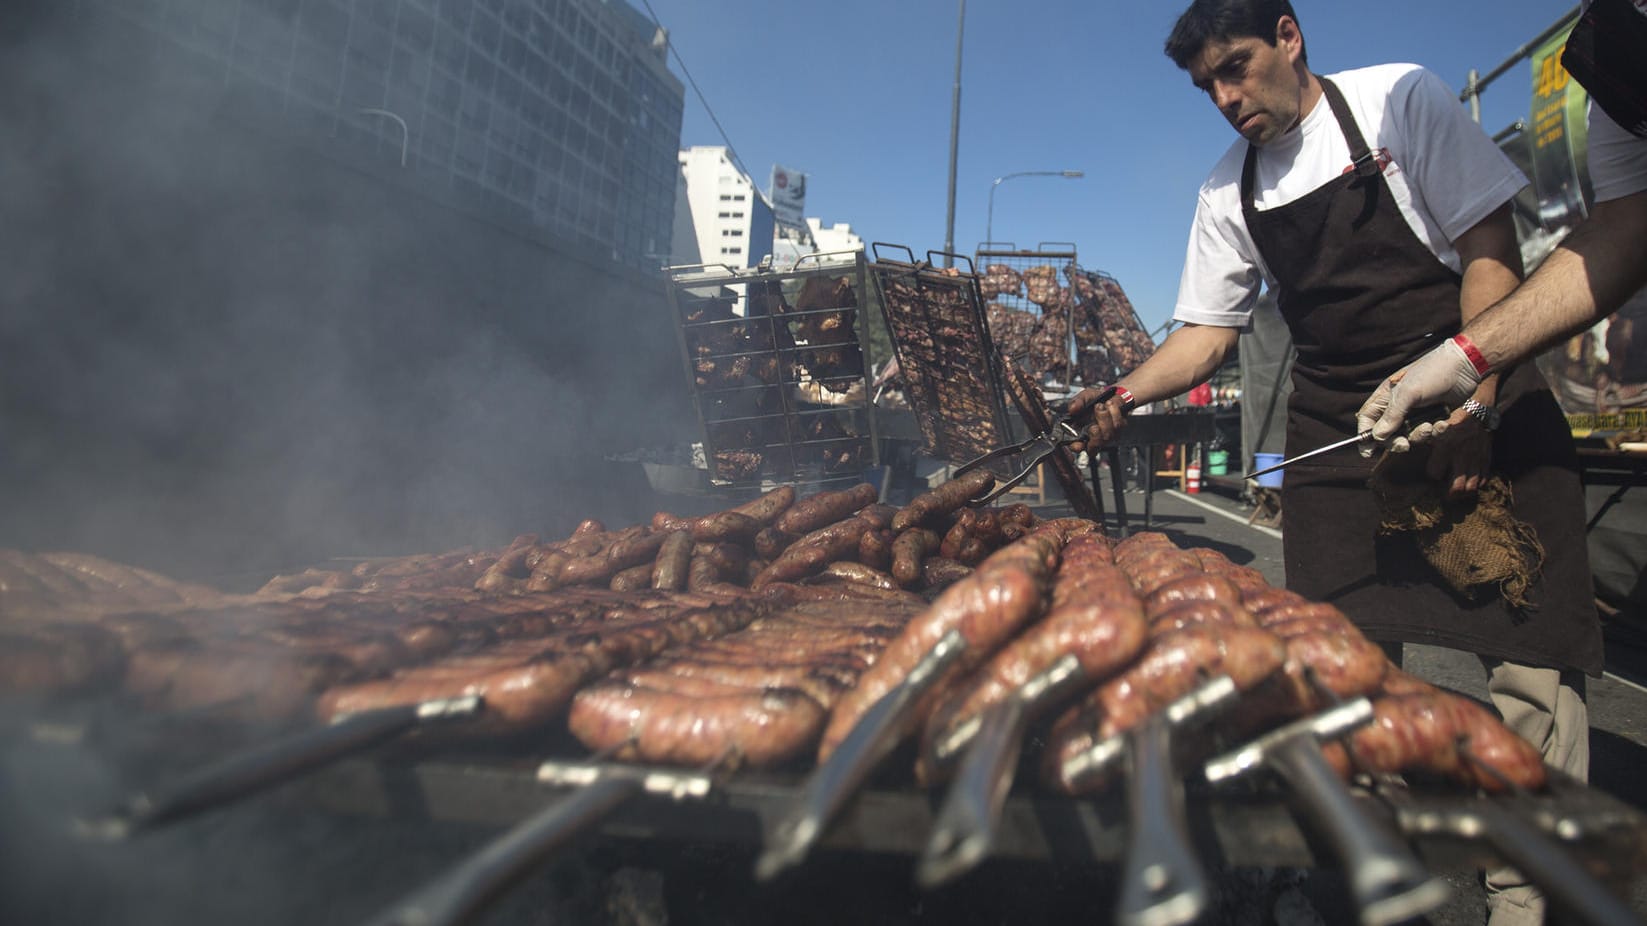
(1445, 374)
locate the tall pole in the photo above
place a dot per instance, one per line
(954, 141)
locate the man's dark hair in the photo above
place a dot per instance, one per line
(1223, 20)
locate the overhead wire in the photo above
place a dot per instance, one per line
(730, 150)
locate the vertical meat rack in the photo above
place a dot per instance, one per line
(1064, 324)
(775, 366)
(951, 371)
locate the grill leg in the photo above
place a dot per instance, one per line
(1117, 481)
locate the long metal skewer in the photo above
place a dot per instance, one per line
(833, 782)
(272, 764)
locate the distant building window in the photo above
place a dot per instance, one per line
(736, 215)
(735, 232)
(739, 198)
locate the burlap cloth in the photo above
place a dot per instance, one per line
(1475, 543)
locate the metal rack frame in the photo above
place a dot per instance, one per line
(773, 409)
(939, 301)
(1060, 255)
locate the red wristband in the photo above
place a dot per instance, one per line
(1126, 398)
(1474, 354)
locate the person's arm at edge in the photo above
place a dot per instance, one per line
(1588, 276)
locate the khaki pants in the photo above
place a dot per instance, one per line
(1546, 708)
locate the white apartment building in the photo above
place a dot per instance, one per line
(837, 237)
(730, 218)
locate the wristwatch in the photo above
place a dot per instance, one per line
(1486, 414)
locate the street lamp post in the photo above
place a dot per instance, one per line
(989, 229)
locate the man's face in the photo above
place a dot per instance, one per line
(1254, 84)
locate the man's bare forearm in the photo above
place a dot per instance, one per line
(1589, 275)
(1184, 360)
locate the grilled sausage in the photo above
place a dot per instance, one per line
(875, 548)
(879, 515)
(1169, 668)
(938, 573)
(811, 553)
(1186, 614)
(1007, 590)
(1103, 631)
(848, 571)
(769, 507)
(725, 525)
(908, 550)
(943, 499)
(1423, 731)
(1192, 587)
(703, 573)
(755, 729)
(771, 542)
(826, 508)
(632, 579)
(669, 570)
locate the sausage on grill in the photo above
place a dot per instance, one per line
(1422, 732)
(669, 570)
(826, 508)
(755, 728)
(1171, 666)
(1006, 591)
(909, 550)
(943, 499)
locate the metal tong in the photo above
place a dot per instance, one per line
(1031, 451)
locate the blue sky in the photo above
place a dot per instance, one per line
(856, 93)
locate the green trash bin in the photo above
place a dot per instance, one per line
(1218, 462)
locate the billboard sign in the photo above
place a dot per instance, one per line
(1558, 129)
(788, 196)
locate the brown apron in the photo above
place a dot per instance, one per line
(1363, 297)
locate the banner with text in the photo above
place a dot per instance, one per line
(788, 196)
(1557, 132)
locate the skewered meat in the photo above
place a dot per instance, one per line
(526, 682)
(987, 607)
(1422, 732)
(1000, 280)
(757, 697)
(1171, 666)
(1094, 616)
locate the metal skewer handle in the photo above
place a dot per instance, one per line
(1390, 885)
(1163, 884)
(273, 764)
(467, 889)
(833, 782)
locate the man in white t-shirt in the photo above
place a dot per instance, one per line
(1379, 215)
(1589, 275)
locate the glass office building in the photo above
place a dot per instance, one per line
(560, 114)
